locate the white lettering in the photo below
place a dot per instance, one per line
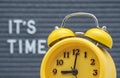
(20, 46)
(18, 22)
(31, 25)
(40, 46)
(10, 26)
(11, 42)
(30, 47)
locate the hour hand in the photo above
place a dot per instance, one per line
(66, 71)
(73, 71)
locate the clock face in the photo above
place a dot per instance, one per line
(72, 61)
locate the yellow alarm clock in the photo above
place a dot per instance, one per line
(78, 55)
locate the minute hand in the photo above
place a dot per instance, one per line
(75, 60)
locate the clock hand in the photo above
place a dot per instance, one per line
(76, 76)
(66, 71)
(73, 71)
(75, 60)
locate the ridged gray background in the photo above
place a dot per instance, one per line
(47, 14)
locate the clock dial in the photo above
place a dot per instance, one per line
(73, 62)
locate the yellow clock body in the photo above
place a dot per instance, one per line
(78, 55)
(77, 58)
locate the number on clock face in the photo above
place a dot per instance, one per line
(85, 61)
